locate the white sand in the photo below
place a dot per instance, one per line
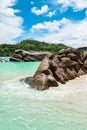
(74, 92)
(78, 85)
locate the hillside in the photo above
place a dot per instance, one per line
(30, 45)
(82, 48)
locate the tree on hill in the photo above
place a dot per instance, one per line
(30, 45)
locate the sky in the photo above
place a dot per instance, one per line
(53, 21)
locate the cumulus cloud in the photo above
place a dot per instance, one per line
(63, 31)
(44, 9)
(10, 24)
(75, 4)
(50, 14)
(53, 26)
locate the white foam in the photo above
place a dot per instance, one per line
(16, 88)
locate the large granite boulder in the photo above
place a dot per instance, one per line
(85, 64)
(67, 65)
(21, 55)
(43, 81)
(84, 55)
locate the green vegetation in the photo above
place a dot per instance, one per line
(30, 45)
(82, 49)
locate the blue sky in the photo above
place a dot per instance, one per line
(53, 21)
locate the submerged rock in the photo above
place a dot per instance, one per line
(21, 55)
(67, 65)
(2, 60)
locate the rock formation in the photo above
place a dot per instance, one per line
(85, 59)
(21, 55)
(67, 65)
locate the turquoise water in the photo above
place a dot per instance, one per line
(23, 108)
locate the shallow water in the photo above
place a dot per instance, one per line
(23, 108)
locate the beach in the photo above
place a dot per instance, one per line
(43, 64)
(23, 108)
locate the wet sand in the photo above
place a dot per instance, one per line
(73, 92)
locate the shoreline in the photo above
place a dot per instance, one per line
(74, 92)
(72, 87)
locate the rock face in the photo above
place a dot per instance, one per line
(67, 65)
(84, 55)
(85, 59)
(21, 55)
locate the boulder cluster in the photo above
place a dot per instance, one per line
(21, 56)
(67, 65)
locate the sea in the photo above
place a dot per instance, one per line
(24, 108)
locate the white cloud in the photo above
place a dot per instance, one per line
(31, 2)
(6, 3)
(50, 14)
(44, 9)
(49, 26)
(63, 31)
(10, 24)
(75, 4)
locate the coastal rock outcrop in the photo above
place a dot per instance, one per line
(84, 55)
(67, 65)
(21, 55)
